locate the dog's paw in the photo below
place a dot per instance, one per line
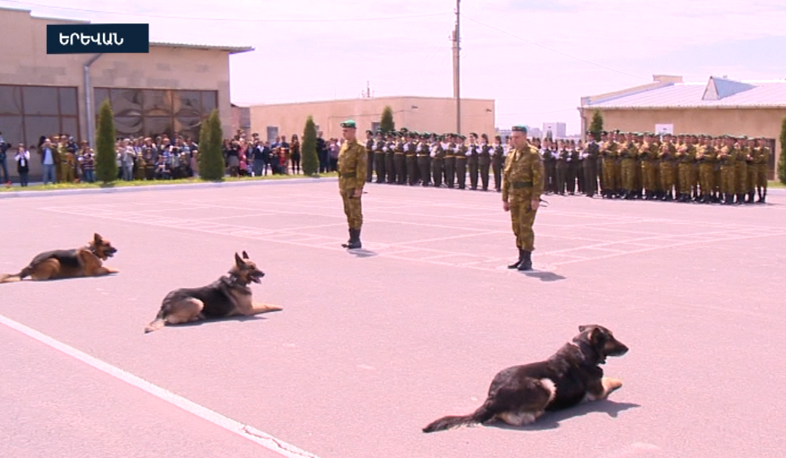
(612, 384)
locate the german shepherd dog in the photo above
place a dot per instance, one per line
(519, 395)
(58, 264)
(225, 297)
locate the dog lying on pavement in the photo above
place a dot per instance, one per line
(519, 395)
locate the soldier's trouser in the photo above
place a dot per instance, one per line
(667, 174)
(370, 167)
(412, 170)
(390, 169)
(685, 178)
(727, 179)
(379, 166)
(648, 176)
(561, 175)
(484, 176)
(694, 179)
(629, 175)
(590, 179)
(437, 169)
(609, 180)
(740, 174)
(497, 169)
(707, 179)
(461, 171)
(618, 174)
(570, 178)
(750, 181)
(473, 173)
(425, 169)
(352, 209)
(67, 173)
(401, 170)
(450, 171)
(761, 175)
(523, 217)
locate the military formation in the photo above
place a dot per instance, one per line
(621, 165)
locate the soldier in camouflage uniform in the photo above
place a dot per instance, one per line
(522, 186)
(750, 178)
(667, 157)
(706, 157)
(628, 152)
(762, 169)
(352, 159)
(437, 154)
(484, 161)
(591, 153)
(472, 160)
(497, 160)
(370, 159)
(608, 153)
(686, 157)
(399, 159)
(740, 169)
(727, 157)
(411, 159)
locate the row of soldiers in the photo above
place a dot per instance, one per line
(428, 159)
(627, 165)
(726, 169)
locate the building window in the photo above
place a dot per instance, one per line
(272, 133)
(153, 112)
(30, 112)
(374, 126)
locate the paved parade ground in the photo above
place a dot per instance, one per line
(374, 344)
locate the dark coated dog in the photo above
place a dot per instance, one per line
(519, 395)
(86, 261)
(225, 297)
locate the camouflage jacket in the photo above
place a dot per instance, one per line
(523, 174)
(352, 159)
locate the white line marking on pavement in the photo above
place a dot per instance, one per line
(245, 431)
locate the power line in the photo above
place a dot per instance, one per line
(234, 19)
(554, 50)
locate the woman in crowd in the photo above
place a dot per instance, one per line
(295, 154)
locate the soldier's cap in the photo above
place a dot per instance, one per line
(462, 137)
(498, 137)
(349, 123)
(404, 129)
(473, 134)
(519, 128)
(484, 136)
(369, 131)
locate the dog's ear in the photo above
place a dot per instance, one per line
(584, 327)
(97, 238)
(238, 260)
(245, 255)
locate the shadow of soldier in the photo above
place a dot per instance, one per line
(543, 276)
(551, 420)
(362, 253)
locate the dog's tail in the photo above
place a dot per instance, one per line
(483, 414)
(9, 278)
(156, 324)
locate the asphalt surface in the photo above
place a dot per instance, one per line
(372, 345)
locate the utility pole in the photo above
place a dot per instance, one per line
(456, 67)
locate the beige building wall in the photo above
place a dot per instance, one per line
(421, 114)
(752, 122)
(25, 62)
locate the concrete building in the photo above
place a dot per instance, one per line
(719, 106)
(429, 114)
(171, 89)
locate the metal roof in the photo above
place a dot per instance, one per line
(230, 49)
(731, 94)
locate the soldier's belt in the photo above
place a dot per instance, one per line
(348, 175)
(521, 184)
(461, 157)
(423, 155)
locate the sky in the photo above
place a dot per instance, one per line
(535, 58)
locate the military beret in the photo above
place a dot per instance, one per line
(484, 136)
(498, 137)
(369, 131)
(426, 134)
(349, 123)
(519, 128)
(462, 137)
(473, 134)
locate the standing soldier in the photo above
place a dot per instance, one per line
(390, 151)
(608, 153)
(740, 168)
(561, 167)
(750, 180)
(668, 154)
(437, 154)
(424, 159)
(522, 185)
(370, 158)
(351, 163)
(379, 156)
(410, 156)
(628, 153)
(461, 162)
(706, 158)
(399, 162)
(727, 157)
(450, 161)
(473, 160)
(484, 161)
(647, 167)
(549, 154)
(572, 163)
(686, 157)
(591, 153)
(497, 159)
(762, 169)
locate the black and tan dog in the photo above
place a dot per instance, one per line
(58, 264)
(519, 395)
(225, 297)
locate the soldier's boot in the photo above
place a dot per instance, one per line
(751, 196)
(516, 264)
(668, 197)
(762, 195)
(346, 245)
(729, 199)
(740, 199)
(354, 241)
(526, 262)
